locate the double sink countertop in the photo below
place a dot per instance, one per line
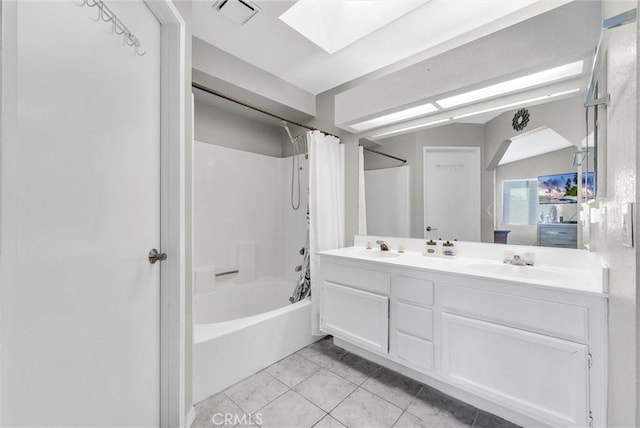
(572, 270)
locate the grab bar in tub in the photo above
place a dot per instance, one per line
(227, 273)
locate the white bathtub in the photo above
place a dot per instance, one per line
(240, 329)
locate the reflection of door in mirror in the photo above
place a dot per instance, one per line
(452, 193)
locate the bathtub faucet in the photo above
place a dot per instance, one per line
(383, 245)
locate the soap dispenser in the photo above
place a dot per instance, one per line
(448, 249)
(431, 248)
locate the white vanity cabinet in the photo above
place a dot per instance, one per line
(533, 354)
(411, 322)
(355, 306)
(528, 348)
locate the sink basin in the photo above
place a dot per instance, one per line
(376, 254)
(529, 272)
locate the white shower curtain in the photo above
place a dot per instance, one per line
(326, 207)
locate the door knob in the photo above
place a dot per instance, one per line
(155, 256)
(429, 229)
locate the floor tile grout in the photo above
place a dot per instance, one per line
(331, 353)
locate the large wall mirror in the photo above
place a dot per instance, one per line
(511, 159)
(528, 184)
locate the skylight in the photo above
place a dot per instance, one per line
(535, 143)
(333, 25)
(535, 79)
(394, 117)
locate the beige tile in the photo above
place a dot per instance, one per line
(328, 422)
(353, 368)
(219, 405)
(407, 420)
(293, 370)
(363, 409)
(289, 410)
(393, 387)
(487, 420)
(438, 409)
(325, 389)
(256, 391)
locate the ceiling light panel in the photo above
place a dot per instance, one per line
(517, 103)
(514, 85)
(394, 117)
(333, 25)
(410, 128)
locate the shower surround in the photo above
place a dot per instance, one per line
(243, 221)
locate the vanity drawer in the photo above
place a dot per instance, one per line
(415, 352)
(554, 319)
(418, 291)
(413, 320)
(362, 279)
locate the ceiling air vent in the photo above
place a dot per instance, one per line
(239, 11)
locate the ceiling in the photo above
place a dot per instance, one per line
(269, 44)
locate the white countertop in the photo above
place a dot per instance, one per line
(590, 279)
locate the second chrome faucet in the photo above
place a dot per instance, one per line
(383, 245)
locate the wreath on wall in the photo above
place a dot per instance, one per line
(520, 119)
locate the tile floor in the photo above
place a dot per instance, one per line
(323, 386)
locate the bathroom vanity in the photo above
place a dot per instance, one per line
(526, 343)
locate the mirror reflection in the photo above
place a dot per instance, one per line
(484, 180)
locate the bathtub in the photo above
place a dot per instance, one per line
(240, 329)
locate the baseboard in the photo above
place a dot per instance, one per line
(191, 416)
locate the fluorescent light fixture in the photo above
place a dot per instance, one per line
(546, 76)
(333, 25)
(411, 128)
(517, 103)
(394, 117)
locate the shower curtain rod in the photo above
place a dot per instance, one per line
(242, 103)
(384, 154)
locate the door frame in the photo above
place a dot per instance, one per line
(173, 409)
(475, 151)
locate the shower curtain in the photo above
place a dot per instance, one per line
(326, 207)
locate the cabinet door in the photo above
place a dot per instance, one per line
(543, 377)
(357, 316)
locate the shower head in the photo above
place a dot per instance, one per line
(286, 128)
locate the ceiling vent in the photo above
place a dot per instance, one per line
(238, 11)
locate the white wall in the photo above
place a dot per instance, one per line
(243, 197)
(226, 124)
(619, 141)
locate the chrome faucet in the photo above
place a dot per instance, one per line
(517, 260)
(383, 245)
(527, 259)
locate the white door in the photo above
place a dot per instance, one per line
(84, 346)
(452, 193)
